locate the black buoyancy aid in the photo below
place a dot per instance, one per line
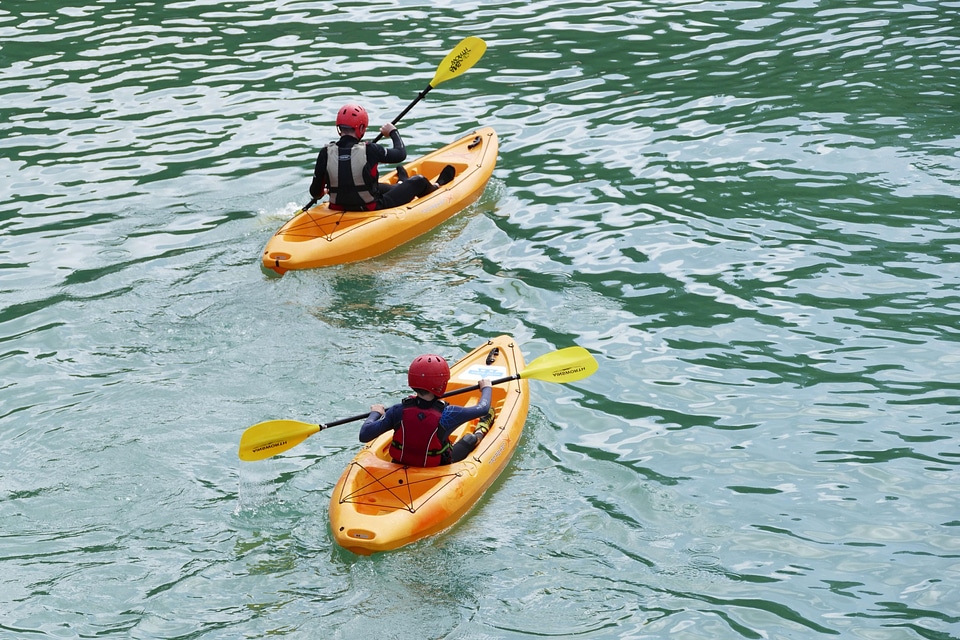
(345, 172)
(416, 441)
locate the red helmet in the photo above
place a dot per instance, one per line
(430, 373)
(355, 116)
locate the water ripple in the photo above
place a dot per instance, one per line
(747, 212)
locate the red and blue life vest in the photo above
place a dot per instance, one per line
(417, 441)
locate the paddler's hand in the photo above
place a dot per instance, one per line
(387, 129)
(485, 384)
(378, 408)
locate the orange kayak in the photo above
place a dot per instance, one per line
(322, 237)
(378, 505)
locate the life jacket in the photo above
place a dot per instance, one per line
(416, 441)
(350, 186)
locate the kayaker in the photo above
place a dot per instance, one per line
(422, 423)
(347, 168)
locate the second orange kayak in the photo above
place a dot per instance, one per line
(322, 237)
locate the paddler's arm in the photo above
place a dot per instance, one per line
(379, 421)
(399, 151)
(319, 175)
(454, 415)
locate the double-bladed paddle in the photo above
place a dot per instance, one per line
(267, 439)
(463, 56)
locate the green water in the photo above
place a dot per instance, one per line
(746, 211)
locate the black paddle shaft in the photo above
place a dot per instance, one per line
(419, 97)
(455, 392)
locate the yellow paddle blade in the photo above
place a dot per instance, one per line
(267, 439)
(564, 365)
(462, 57)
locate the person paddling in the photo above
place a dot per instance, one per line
(347, 169)
(423, 423)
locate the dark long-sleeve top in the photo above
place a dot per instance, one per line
(453, 416)
(375, 154)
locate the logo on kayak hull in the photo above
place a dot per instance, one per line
(481, 371)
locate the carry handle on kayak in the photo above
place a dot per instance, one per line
(267, 439)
